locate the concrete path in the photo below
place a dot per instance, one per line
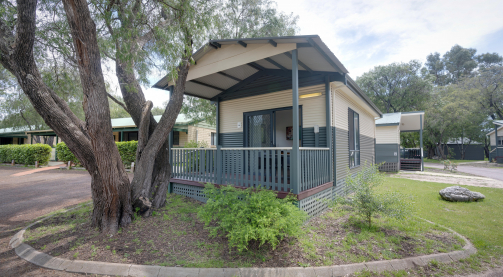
(31, 171)
(493, 173)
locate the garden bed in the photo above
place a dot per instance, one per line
(174, 236)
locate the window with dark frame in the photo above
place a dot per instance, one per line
(176, 138)
(354, 138)
(500, 141)
(213, 138)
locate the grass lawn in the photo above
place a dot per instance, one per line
(481, 222)
(426, 160)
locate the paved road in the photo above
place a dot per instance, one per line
(27, 197)
(494, 173)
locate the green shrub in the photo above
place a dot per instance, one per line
(196, 144)
(367, 202)
(127, 150)
(64, 154)
(26, 154)
(250, 215)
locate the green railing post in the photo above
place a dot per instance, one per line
(170, 146)
(421, 139)
(328, 125)
(219, 164)
(294, 161)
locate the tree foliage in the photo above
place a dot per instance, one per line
(241, 19)
(397, 87)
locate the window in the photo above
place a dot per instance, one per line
(354, 138)
(500, 141)
(176, 138)
(213, 138)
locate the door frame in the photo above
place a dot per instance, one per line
(273, 124)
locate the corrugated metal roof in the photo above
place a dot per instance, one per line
(128, 121)
(14, 130)
(389, 118)
(181, 120)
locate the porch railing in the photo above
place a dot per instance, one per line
(410, 153)
(194, 164)
(268, 167)
(315, 167)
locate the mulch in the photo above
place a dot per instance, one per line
(180, 239)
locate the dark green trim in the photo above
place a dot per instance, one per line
(242, 43)
(324, 55)
(294, 161)
(256, 66)
(298, 62)
(206, 85)
(328, 133)
(387, 124)
(229, 76)
(12, 136)
(421, 140)
(276, 64)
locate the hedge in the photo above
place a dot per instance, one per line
(127, 150)
(26, 154)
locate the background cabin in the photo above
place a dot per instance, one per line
(388, 150)
(496, 140)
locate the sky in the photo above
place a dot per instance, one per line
(365, 34)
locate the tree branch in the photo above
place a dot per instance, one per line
(117, 101)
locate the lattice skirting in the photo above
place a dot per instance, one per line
(190, 191)
(313, 205)
(389, 167)
(316, 203)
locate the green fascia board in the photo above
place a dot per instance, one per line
(387, 124)
(43, 134)
(13, 135)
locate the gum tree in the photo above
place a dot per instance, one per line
(90, 139)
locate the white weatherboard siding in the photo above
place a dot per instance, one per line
(387, 134)
(342, 102)
(492, 137)
(313, 108)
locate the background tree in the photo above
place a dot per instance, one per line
(241, 19)
(397, 87)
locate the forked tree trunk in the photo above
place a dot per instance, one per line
(90, 141)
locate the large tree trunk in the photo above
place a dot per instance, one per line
(112, 193)
(90, 141)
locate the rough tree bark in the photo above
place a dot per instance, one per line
(153, 185)
(90, 141)
(114, 201)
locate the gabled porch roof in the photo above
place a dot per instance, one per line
(407, 121)
(234, 68)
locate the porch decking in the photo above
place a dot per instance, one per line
(253, 167)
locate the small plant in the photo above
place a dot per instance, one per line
(367, 202)
(250, 215)
(196, 144)
(76, 255)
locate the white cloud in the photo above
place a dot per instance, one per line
(363, 34)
